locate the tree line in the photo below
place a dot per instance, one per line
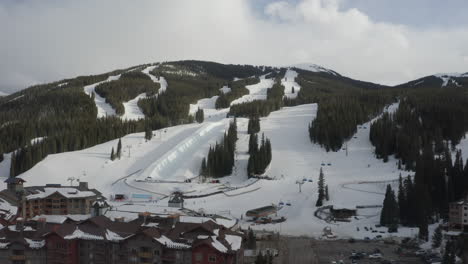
(260, 155)
(220, 160)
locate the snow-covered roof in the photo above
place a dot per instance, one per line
(26, 228)
(234, 241)
(60, 219)
(78, 234)
(4, 245)
(67, 192)
(171, 244)
(112, 236)
(343, 207)
(35, 244)
(218, 245)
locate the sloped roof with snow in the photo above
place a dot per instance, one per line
(66, 192)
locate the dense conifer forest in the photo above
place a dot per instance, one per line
(220, 160)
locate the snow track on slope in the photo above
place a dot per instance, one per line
(132, 110)
(289, 82)
(161, 79)
(104, 109)
(256, 91)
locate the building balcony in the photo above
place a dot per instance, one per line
(17, 257)
(145, 255)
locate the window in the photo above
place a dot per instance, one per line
(156, 252)
(17, 252)
(212, 258)
(199, 256)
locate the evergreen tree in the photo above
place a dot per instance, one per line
(119, 148)
(389, 215)
(220, 160)
(449, 254)
(251, 240)
(260, 157)
(253, 125)
(112, 156)
(321, 189)
(199, 116)
(402, 202)
(437, 237)
(148, 133)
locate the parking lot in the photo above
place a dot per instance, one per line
(328, 251)
(312, 251)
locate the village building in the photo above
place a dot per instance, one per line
(342, 213)
(53, 199)
(99, 240)
(458, 215)
(262, 212)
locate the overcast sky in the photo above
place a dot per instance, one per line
(384, 41)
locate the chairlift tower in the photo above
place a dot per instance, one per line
(300, 185)
(71, 179)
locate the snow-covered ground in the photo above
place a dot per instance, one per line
(289, 82)
(256, 91)
(174, 154)
(104, 109)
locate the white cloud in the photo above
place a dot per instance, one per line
(48, 40)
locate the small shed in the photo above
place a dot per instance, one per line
(262, 211)
(176, 200)
(343, 212)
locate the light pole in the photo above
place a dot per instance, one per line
(129, 147)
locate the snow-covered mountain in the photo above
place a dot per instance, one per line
(171, 160)
(3, 93)
(439, 80)
(313, 68)
(450, 78)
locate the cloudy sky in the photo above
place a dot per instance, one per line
(384, 41)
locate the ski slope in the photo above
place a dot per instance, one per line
(289, 82)
(132, 110)
(160, 166)
(104, 109)
(161, 79)
(256, 91)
